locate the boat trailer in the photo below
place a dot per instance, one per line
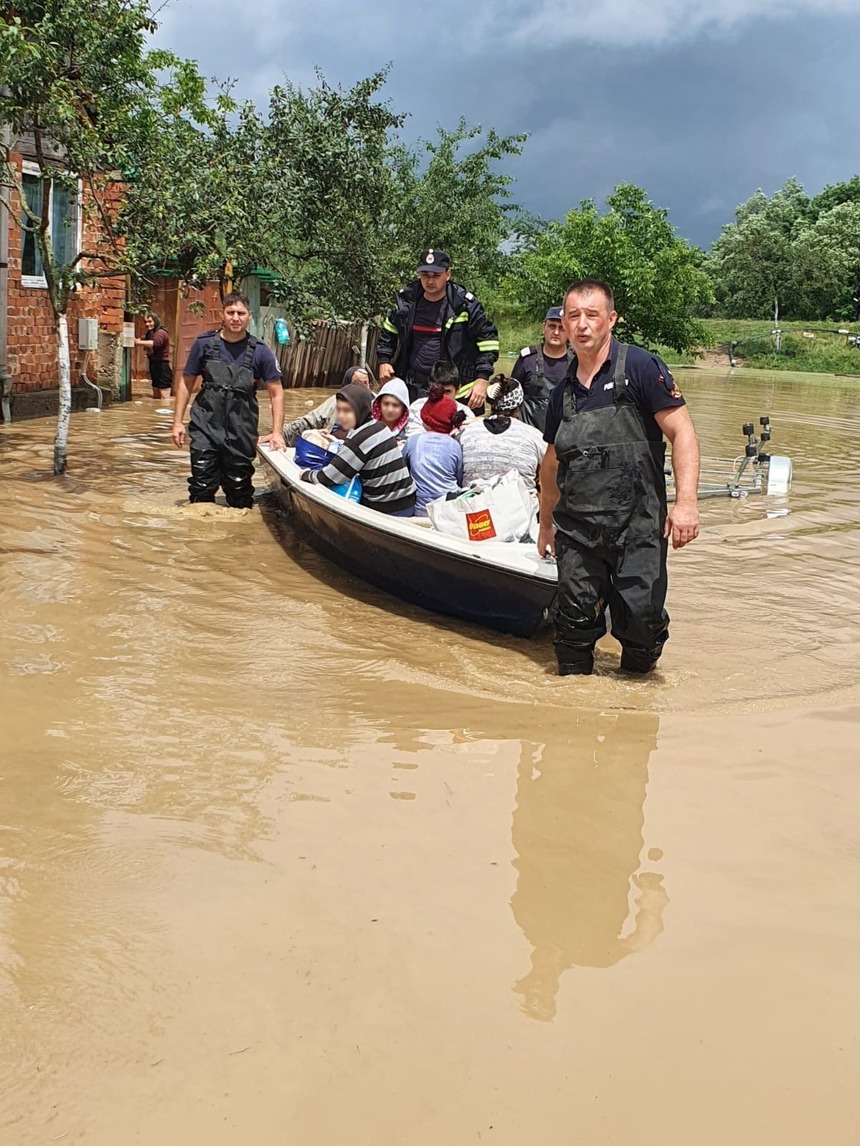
(754, 471)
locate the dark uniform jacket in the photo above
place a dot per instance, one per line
(469, 338)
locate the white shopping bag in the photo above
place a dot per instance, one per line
(502, 509)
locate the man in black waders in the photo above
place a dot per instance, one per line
(603, 510)
(224, 418)
(435, 319)
(539, 369)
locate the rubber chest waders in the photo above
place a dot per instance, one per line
(223, 428)
(609, 542)
(537, 396)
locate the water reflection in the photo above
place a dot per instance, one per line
(578, 836)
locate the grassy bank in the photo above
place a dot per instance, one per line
(827, 352)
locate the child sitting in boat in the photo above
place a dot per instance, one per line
(391, 407)
(446, 375)
(434, 458)
(369, 451)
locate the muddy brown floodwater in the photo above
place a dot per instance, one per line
(285, 861)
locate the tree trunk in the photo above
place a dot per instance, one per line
(363, 346)
(61, 441)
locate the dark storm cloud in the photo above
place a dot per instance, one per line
(700, 105)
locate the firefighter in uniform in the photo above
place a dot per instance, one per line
(540, 368)
(436, 320)
(603, 509)
(224, 418)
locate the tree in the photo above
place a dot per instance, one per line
(333, 224)
(752, 263)
(826, 260)
(201, 207)
(656, 275)
(354, 205)
(453, 196)
(77, 79)
(789, 255)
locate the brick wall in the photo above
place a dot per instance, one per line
(32, 345)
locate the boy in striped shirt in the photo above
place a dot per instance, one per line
(370, 452)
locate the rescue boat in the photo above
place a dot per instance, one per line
(502, 585)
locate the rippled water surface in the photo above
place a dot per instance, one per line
(283, 860)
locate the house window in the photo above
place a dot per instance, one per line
(64, 225)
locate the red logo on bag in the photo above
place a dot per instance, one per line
(480, 525)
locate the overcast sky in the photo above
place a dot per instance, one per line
(698, 101)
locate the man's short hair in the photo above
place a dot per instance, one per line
(236, 296)
(586, 286)
(445, 373)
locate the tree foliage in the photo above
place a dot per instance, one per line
(790, 254)
(657, 277)
(333, 222)
(78, 84)
(200, 205)
(453, 195)
(835, 194)
(323, 191)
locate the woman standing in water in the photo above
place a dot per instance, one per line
(157, 347)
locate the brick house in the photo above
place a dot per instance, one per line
(31, 371)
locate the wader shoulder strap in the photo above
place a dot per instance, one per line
(211, 348)
(620, 376)
(540, 363)
(248, 360)
(568, 405)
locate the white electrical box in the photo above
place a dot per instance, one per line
(88, 334)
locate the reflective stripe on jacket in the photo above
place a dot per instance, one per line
(469, 339)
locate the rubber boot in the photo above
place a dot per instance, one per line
(580, 666)
(638, 661)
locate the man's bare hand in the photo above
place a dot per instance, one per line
(682, 525)
(385, 372)
(178, 434)
(479, 393)
(273, 441)
(546, 541)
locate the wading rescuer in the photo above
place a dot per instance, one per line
(603, 510)
(435, 319)
(539, 369)
(224, 418)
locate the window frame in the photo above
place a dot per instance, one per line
(39, 282)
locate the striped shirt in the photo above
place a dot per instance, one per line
(371, 453)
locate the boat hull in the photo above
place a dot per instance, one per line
(400, 563)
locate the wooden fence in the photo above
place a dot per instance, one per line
(319, 360)
(322, 359)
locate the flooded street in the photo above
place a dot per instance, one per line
(283, 860)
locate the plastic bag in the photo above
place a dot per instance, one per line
(351, 490)
(310, 456)
(501, 509)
